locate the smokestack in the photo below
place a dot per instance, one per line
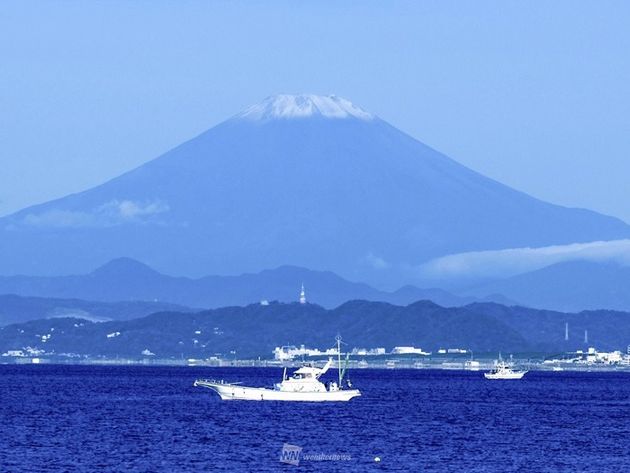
(585, 336)
(566, 332)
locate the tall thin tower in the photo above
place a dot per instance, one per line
(302, 295)
(585, 337)
(566, 332)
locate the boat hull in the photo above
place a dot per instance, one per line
(234, 392)
(517, 375)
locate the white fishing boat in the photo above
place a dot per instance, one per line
(503, 370)
(303, 385)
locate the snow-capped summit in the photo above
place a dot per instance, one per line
(304, 105)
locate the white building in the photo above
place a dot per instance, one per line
(289, 352)
(409, 350)
(368, 351)
(456, 351)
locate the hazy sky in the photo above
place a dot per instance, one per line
(533, 94)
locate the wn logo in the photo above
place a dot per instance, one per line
(290, 454)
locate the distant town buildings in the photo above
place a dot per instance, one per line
(25, 352)
(593, 357)
(14, 353)
(290, 352)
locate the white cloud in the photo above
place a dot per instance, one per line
(509, 262)
(114, 212)
(128, 209)
(376, 261)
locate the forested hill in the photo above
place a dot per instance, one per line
(254, 330)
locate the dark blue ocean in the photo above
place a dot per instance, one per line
(151, 419)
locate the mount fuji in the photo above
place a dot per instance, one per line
(304, 180)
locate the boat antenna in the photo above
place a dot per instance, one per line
(345, 365)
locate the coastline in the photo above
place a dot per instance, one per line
(484, 364)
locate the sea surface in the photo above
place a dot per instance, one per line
(152, 419)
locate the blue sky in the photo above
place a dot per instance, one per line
(534, 94)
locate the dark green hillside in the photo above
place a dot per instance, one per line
(254, 330)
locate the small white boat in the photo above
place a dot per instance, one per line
(303, 385)
(503, 370)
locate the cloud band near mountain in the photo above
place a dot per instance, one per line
(509, 262)
(111, 213)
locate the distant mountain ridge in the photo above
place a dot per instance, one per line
(567, 286)
(125, 279)
(254, 330)
(307, 180)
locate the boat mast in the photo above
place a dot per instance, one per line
(339, 358)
